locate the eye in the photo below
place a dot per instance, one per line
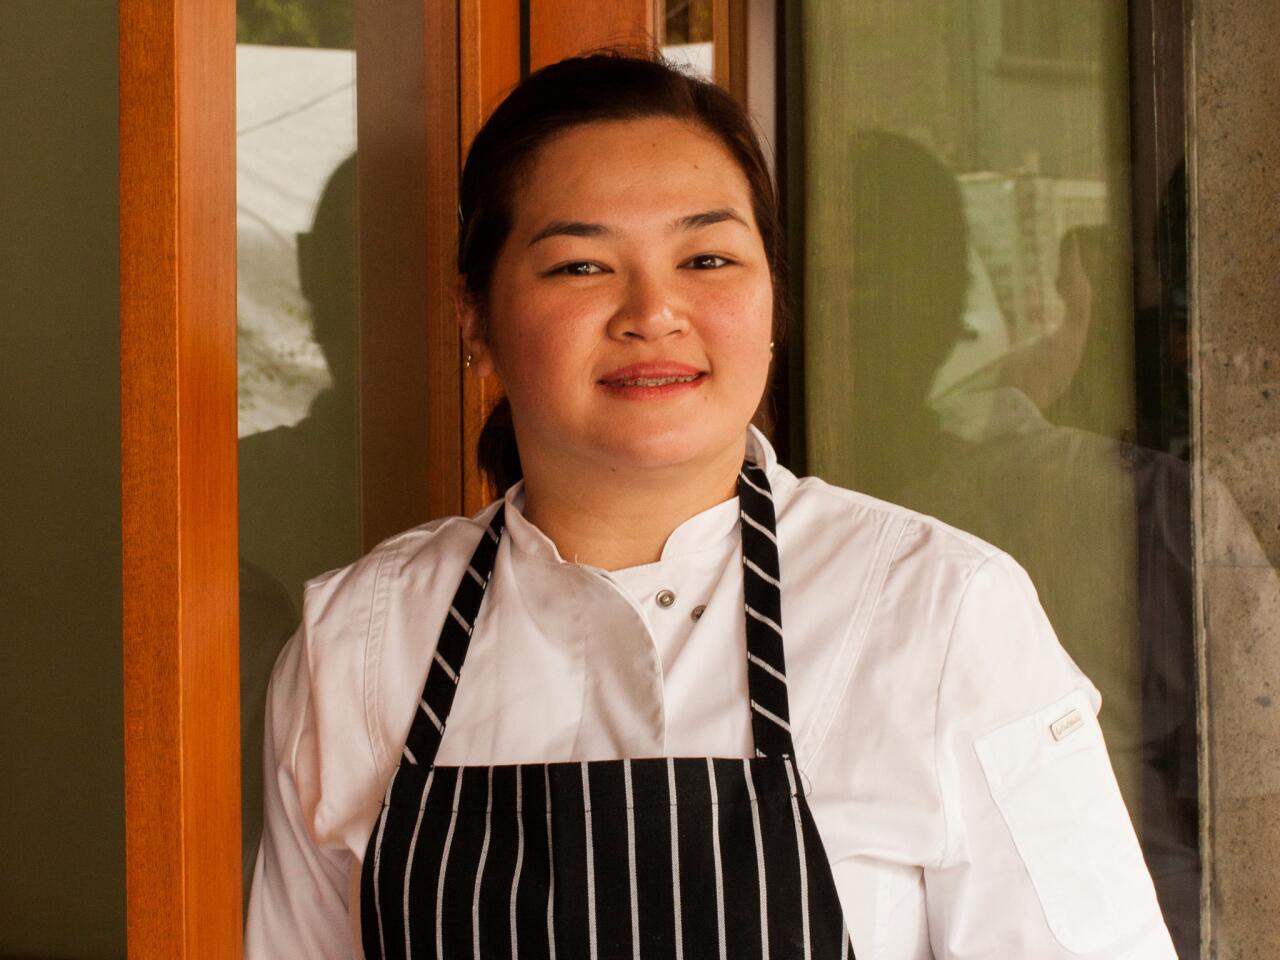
(707, 261)
(579, 268)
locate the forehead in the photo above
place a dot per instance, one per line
(655, 167)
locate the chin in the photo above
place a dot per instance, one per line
(660, 449)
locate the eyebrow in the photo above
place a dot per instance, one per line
(707, 218)
(578, 228)
(570, 228)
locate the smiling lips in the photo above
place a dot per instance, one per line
(652, 380)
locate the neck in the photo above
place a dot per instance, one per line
(607, 518)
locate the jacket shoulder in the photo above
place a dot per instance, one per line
(327, 682)
(344, 610)
(420, 551)
(851, 520)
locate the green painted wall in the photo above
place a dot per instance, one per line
(61, 799)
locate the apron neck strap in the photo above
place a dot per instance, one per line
(761, 580)
(427, 729)
(762, 593)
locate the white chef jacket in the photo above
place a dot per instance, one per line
(949, 746)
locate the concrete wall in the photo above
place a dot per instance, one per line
(1234, 136)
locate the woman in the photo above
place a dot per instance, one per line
(633, 763)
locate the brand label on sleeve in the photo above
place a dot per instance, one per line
(1066, 725)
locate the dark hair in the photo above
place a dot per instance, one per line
(616, 84)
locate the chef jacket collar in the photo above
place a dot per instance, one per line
(700, 532)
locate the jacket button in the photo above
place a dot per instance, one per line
(665, 598)
(697, 612)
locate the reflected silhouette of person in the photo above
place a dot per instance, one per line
(1101, 526)
(909, 264)
(299, 508)
(298, 484)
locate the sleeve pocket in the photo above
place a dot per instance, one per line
(1052, 781)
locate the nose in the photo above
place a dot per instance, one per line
(650, 310)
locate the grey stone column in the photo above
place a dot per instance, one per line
(1233, 98)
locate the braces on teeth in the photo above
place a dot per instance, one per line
(656, 381)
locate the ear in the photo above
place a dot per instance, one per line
(471, 322)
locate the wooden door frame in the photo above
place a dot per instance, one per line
(410, 400)
(178, 463)
(729, 46)
(491, 48)
(178, 410)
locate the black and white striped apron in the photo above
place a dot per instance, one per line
(704, 858)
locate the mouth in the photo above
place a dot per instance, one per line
(652, 379)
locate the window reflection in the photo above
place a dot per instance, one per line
(688, 21)
(297, 302)
(972, 349)
(687, 35)
(1050, 32)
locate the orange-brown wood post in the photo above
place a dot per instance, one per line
(407, 205)
(178, 409)
(558, 29)
(489, 52)
(729, 46)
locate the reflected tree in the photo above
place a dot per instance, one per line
(296, 23)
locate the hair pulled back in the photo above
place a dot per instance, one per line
(611, 85)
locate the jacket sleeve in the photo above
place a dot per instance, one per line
(298, 904)
(1040, 857)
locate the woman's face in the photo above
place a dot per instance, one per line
(630, 309)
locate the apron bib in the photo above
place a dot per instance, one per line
(664, 857)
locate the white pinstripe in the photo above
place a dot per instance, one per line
(675, 857)
(515, 878)
(431, 715)
(591, 862)
(715, 851)
(444, 867)
(453, 612)
(771, 715)
(760, 874)
(759, 526)
(767, 668)
(767, 621)
(484, 855)
(755, 486)
(631, 860)
(804, 869)
(377, 862)
(551, 872)
(448, 670)
(408, 865)
(755, 568)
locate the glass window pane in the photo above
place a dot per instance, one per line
(969, 329)
(687, 35)
(297, 296)
(61, 705)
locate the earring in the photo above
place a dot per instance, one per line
(467, 362)
(771, 346)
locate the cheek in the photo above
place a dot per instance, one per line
(539, 338)
(742, 328)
